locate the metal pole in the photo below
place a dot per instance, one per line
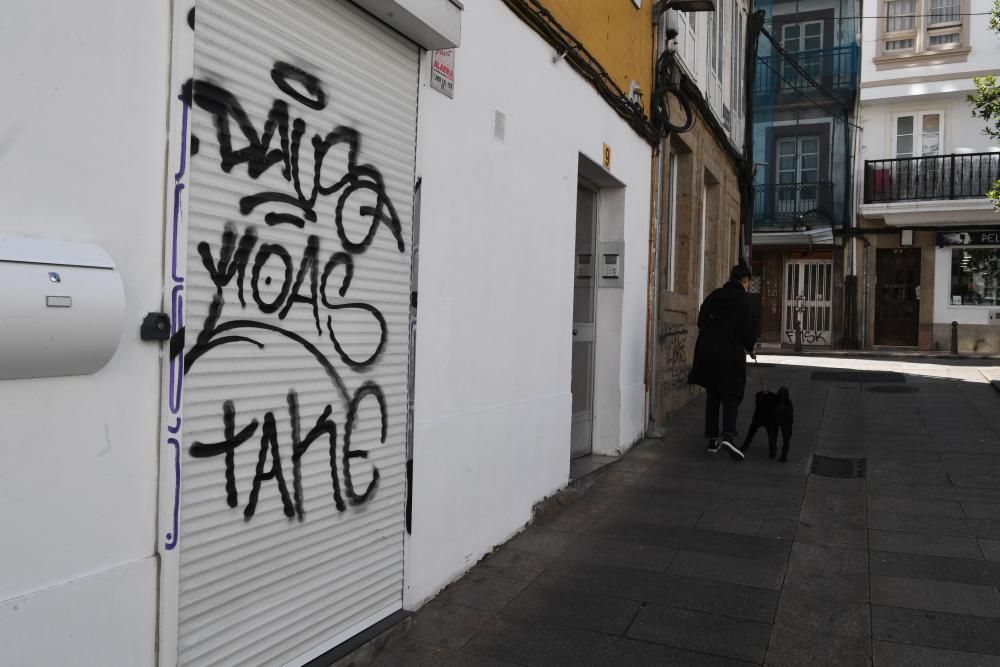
(954, 337)
(799, 309)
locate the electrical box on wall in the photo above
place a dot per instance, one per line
(62, 306)
(994, 317)
(610, 266)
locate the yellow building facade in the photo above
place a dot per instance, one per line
(618, 33)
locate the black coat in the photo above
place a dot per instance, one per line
(726, 333)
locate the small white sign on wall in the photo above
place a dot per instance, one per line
(443, 71)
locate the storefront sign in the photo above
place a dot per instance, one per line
(969, 237)
(443, 71)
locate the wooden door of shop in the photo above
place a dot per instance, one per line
(897, 310)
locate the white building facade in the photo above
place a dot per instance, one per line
(925, 165)
(378, 346)
(508, 167)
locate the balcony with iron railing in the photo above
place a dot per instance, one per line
(936, 177)
(778, 82)
(788, 206)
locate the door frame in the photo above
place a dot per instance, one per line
(577, 419)
(609, 308)
(786, 304)
(878, 335)
(918, 131)
(775, 134)
(798, 199)
(170, 439)
(170, 431)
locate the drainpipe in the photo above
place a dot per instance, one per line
(654, 282)
(653, 300)
(864, 329)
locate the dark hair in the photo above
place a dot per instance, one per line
(739, 272)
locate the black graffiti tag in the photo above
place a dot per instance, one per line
(288, 133)
(293, 504)
(273, 278)
(232, 262)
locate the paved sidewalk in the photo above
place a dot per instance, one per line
(674, 556)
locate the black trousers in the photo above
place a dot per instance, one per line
(730, 408)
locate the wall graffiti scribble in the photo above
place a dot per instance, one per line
(260, 156)
(271, 280)
(294, 504)
(674, 344)
(809, 336)
(233, 261)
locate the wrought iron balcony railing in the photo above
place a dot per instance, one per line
(836, 69)
(954, 176)
(790, 204)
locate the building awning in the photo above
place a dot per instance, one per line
(809, 237)
(933, 213)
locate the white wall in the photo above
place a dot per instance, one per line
(962, 132)
(497, 234)
(82, 142)
(984, 57)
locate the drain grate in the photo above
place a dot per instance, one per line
(827, 466)
(857, 376)
(892, 389)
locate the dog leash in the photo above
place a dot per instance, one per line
(760, 376)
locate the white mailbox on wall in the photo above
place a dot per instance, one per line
(62, 306)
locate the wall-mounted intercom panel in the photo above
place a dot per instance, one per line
(610, 264)
(62, 305)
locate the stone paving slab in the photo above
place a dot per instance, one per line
(715, 597)
(793, 647)
(705, 633)
(955, 598)
(887, 654)
(924, 544)
(809, 614)
(935, 568)
(571, 607)
(672, 556)
(956, 632)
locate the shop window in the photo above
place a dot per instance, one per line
(975, 277)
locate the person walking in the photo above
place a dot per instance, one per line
(726, 335)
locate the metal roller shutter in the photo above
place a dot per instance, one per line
(292, 495)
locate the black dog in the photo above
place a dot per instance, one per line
(773, 412)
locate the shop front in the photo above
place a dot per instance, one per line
(796, 289)
(967, 289)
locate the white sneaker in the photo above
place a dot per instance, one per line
(725, 441)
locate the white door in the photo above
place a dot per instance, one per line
(584, 311)
(292, 475)
(809, 298)
(798, 172)
(805, 41)
(918, 172)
